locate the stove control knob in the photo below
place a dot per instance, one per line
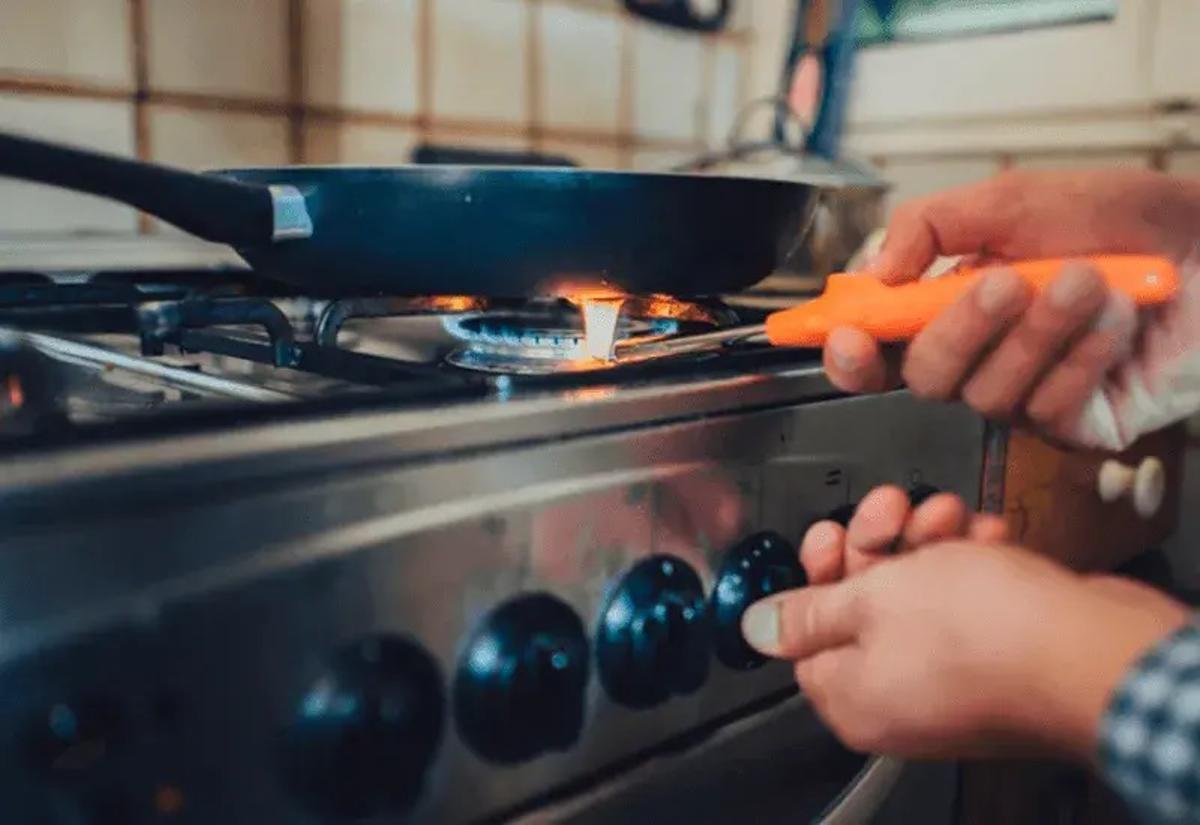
(654, 638)
(843, 514)
(918, 493)
(69, 738)
(762, 564)
(519, 691)
(364, 733)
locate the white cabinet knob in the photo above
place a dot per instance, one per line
(1146, 484)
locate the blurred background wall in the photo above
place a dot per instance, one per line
(206, 83)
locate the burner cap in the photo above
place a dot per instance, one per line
(538, 340)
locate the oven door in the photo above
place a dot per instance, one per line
(780, 765)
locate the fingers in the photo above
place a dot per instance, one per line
(823, 552)
(853, 361)
(876, 525)
(884, 524)
(1007, 376)
(941, 357)
(800, 623)
(969, 219)
(988, 528)
(1059, 399)
(942, 516)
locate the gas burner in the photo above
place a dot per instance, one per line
(577, 334)
(540, 340)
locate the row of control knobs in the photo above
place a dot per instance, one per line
(365, 731)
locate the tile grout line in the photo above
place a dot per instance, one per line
(139, 54)
(296, 80)
(533, 73)
(625, 92)
(708, 74)
(204, 101)
(425, 36)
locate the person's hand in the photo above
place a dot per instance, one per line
(1076, 362)
(965, 647)
(884, 523)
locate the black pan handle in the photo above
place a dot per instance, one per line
(208, 206)
(680, 14)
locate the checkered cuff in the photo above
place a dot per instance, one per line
(1150, 736)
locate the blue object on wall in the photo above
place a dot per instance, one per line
(837, 68)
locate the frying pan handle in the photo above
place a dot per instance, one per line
(208, 206)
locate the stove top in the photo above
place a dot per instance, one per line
(273, 558)
(168, 330)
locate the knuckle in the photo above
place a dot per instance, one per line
(988, 403)
(1047, 408)
(923, 381)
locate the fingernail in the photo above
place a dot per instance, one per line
(760, 626)
(843, 357)
(998, 292)
(823, 532)
(844, 361)
(1071, 287)
(1119, 318)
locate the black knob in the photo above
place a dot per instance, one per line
(363, 735)
(519, 691)
(843, 514)
(68, 739)
(917, 493)
(762, 564)
(654, 638)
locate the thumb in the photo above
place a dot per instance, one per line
(803, 622)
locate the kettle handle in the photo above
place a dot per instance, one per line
(679, 13)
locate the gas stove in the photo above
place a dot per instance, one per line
(269, 558)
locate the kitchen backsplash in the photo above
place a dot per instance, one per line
(205, 83)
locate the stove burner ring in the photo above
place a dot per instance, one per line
(538, 342)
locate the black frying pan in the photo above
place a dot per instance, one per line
(456, 230)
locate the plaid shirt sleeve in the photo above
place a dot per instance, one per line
(1150, 736)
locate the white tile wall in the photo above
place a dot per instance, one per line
(589, 155)
(103, 125)
(503, 140)
(581, 67)
(1093, 131)
(79, 39)
(1184, 162)
(914, 178)
(224, 47)
(358, 143)
(207, 139)
(1069, 67)
(668, 84)
(771, 22)
(1175, 72)
(724, 100)
(361, 54)
(658, 160)
(479, 68)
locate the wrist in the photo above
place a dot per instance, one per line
(1096, 641)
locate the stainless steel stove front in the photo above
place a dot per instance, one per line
(181, 624)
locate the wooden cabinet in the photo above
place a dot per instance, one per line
(1052, 504)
